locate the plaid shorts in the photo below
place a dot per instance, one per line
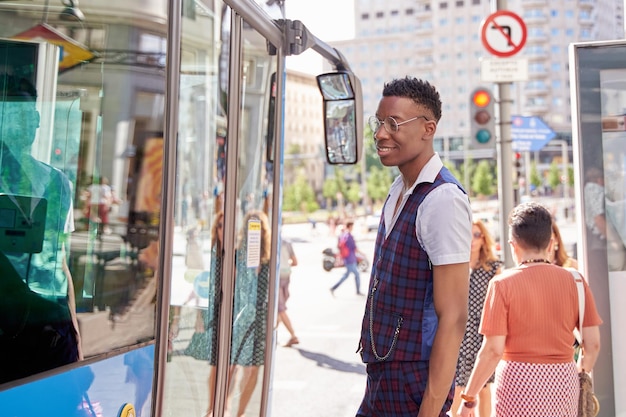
(395, 389)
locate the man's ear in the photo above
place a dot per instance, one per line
(430, 127)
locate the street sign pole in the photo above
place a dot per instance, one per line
(505, 166)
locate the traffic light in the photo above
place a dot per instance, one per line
(517, 165)
(482, 119)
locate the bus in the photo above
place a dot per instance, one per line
(141, 150)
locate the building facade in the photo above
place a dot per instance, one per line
(440, 41)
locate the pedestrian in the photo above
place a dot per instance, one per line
(287, 261)
(484, 266)
(347, 251)
(559, 255)
(529, 316)
(416, 309)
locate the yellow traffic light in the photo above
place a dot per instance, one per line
(481, 98)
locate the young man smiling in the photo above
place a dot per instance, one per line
(416, 307)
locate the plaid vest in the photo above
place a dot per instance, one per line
(400, 321)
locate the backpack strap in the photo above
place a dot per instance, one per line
(578, 279)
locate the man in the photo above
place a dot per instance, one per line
(35, 281)
(416, 309)
(347, 251)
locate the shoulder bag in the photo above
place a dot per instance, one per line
(588, 405)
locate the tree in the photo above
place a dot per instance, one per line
(378, 182)
(554, 175)
(535, 178)
(483, 180)
(300, 196)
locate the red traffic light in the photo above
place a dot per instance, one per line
(481, 98)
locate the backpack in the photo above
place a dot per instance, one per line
(344, 250)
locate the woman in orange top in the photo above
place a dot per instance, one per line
(528, 318)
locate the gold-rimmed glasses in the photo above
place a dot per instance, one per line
(391, 124)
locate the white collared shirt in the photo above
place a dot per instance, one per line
(443, 223)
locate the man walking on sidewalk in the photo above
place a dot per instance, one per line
(347, 251)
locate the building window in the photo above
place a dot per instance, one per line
(394, 12)
(443, 5)
(365, 16)
(409, 12)
(460, 3)
(475, 2)
(379, 15)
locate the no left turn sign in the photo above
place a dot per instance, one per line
(503, 33)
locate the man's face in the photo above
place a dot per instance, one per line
(412, 138)
(19, 121)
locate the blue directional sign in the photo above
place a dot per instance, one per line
(530, 133)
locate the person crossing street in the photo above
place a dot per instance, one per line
(347, 251)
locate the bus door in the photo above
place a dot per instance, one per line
(219, 346)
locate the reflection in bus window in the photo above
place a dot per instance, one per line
(38, 327)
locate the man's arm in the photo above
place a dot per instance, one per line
(450, 292)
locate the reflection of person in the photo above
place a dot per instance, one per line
(349, 258)
(416, 309)
(287, 261)
(528, 318)
(211, 315)
(44, 304)
(99, 200)
(484, 266)
(250, 305)
(602, 234)
(559, 255)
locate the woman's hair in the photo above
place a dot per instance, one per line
(560, 256)
(486, 255)
(530, 225)
(215, 241)
(266, 233)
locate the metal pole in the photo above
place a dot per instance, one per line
(505, 166)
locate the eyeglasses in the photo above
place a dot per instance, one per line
(477, 235)
(391, 124)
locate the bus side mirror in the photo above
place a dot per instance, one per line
(343, 116)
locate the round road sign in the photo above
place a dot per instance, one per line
(503, 33)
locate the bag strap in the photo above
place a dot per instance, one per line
(578, 279)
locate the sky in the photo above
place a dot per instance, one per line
(328, 20)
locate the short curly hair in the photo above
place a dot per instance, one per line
(420, 91)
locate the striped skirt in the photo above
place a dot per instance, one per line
(536, 389)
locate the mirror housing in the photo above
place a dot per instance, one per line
(343, 116)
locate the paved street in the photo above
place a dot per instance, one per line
(322, 376)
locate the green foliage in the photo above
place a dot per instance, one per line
(299, 196)
(535, 177)
(483, 180)
(554, 175)
(378, 182)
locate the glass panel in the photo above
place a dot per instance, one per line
(82, 163)
(601, 104)
(197, 273)
(254, 176)
(199, 217)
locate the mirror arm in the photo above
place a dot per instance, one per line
(299, 39)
